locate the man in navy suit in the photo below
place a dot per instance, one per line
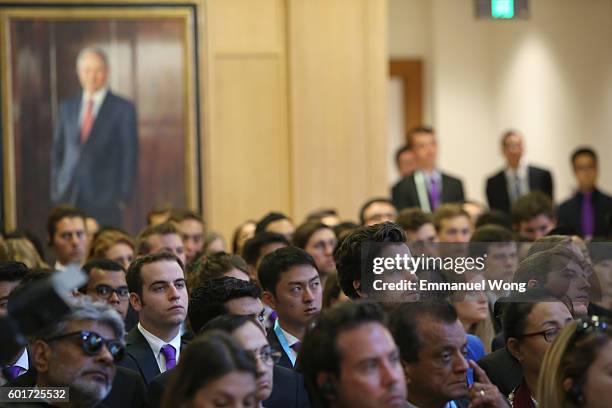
(588, 212)
(428, 187)
(94, 156)
(518, 178)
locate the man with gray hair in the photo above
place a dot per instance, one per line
(94, 156)
(80, 352)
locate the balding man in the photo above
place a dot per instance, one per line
(94, 157)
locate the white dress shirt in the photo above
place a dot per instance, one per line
(511, 180)
(156, 344)
(291, 340)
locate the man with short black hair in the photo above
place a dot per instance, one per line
(259, 246)
(292, 287)
(376, 211)
(588, 213)
(161, 237)
(428, 187)
(420, 231)
(107, 284)
(216, 266)
(434, 348)
(158, 293)
(533, 216)
(360, 248)
(215, 297)
(67, 236)
(276, 222)
(349, 359)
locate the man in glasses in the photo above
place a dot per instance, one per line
(80, 352)
(107, 284)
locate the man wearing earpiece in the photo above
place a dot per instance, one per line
(349, 359)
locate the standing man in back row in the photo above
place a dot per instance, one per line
(94, 156)
(427, 187)
(517, 178)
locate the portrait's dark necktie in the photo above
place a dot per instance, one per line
(588, 215)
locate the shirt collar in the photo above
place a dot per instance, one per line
(291, 339)
(521, 170)
(23, 361)
(156, 343)
(97, 96)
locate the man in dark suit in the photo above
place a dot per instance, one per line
(292, 287)
(427, 187)
(588, 212)
(94, 156)
(285, 388)
(158, 293)
(518, 178)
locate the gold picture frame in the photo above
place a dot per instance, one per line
(153, 59)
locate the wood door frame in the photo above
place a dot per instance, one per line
(410, 71)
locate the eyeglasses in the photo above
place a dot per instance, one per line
(107, 291)
(268, 355)
(549, 335)
(92, 342)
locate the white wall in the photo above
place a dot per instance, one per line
(549, 77)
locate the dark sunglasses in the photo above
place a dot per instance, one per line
(107, 291)
(92, 342)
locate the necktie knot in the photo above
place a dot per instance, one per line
(11, 372)
(169, 353)
(296, 346)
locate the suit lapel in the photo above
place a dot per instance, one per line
(139, 349)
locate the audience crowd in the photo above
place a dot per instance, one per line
(285, 317)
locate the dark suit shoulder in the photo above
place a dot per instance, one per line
(288, 390)
(118, 100)
(128, 390)
(157, 387)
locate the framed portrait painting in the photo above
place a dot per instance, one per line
(116, 157)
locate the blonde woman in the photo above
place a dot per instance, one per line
(576, 368)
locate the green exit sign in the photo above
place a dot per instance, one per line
(502, 8)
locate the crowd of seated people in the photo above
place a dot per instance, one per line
(286, 315)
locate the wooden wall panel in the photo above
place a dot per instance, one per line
(247, 146)
(337, 85)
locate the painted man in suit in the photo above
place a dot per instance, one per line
(518, 178)
(588, 212)
(428, 187)
(94, 157)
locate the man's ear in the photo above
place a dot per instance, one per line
(135, 301)
(406, 368)
(357, 287)
(41, 353)
(269, 299)
(514, 348)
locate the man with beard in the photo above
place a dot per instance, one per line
(79, 352)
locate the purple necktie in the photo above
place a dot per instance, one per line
(588, 215)
(11, 372)
(434, 194)
(296, 346)
(169, 353)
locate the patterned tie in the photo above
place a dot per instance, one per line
(434, 194)
(87, 121)
(11, 372)
(169, 353)
(588, 215)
